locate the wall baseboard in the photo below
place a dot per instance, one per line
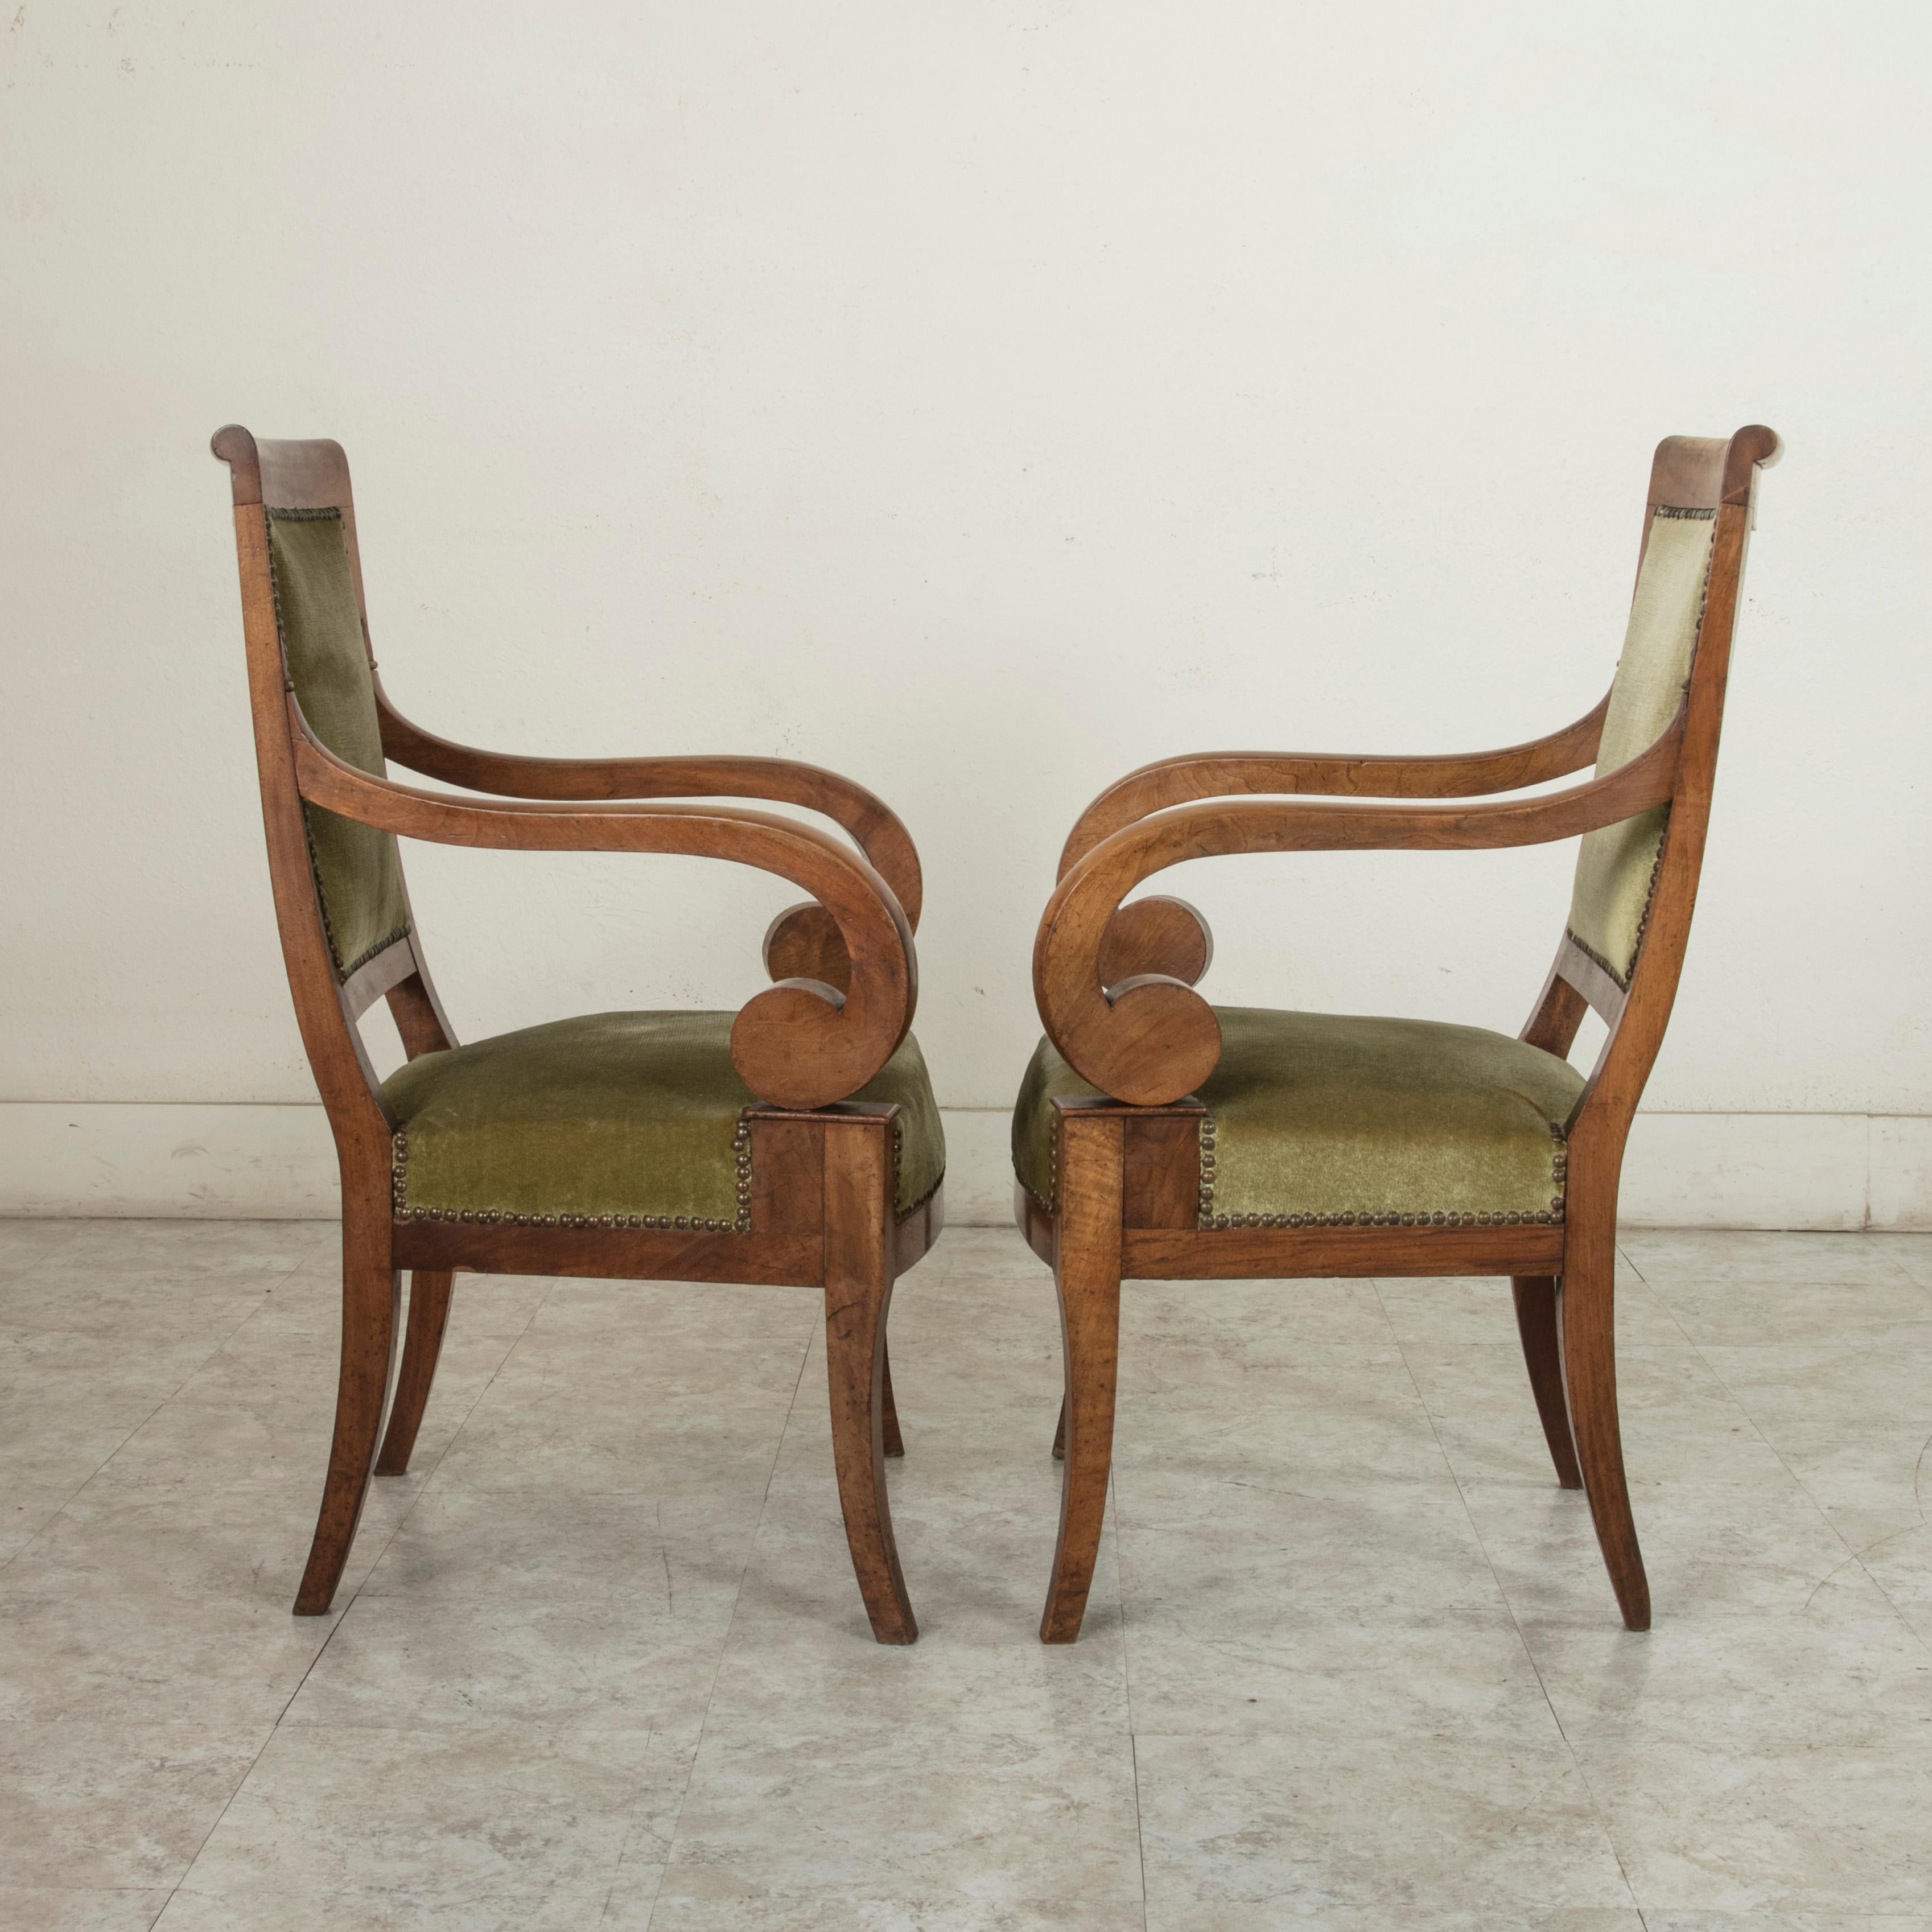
(1822, 1171)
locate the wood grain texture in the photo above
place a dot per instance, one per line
(1159, 935)
(1586, 1332)
(371, 1305)
(1246, 1254)
(873, 826)
(805, 1046)
(804, 942)
(858, 1296)
(796, 1044)
(1172, 781)
(422, 1348)
(1086, 1273)
(893, 1442)
(1152, 1040)
(1535, 1297)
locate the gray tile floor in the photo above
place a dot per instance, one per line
(1352, 1660)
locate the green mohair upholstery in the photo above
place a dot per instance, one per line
(357, 869)
(630, 1115)
(1326, 1118)
(1618, 864)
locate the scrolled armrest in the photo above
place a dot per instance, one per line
(1172, 781)
(1152, 1040)
(797, 1044)
(875, 828)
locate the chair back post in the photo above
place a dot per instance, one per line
(305, 475)
(1688, 473)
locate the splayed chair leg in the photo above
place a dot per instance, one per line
(1087, 1274)
(371, 1302)
(859, 1249)
(1542, 1355)
(1586, 1323)
(422, 1344)
(895, 1443)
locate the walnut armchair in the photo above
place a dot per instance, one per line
(797, 1142)
(1158, 1137)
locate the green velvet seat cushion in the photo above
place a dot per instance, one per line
(357, 871)
(1326, 1119)
(629, 1116)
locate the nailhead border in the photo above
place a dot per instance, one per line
(1621, 981)
(741, 1149)
(1207, 1220)
(343, 973)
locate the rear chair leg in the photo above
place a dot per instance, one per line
(429, 1316)
(895, 1443)
(1087, 1275)
(371, 1301)
(1586, 1323)
(859, 1249)
(1543, 1355)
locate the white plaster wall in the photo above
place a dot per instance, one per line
(981, 400)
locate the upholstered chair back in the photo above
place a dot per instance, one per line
(1617, 867)
(358, 873)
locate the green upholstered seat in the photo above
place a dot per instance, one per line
(628, 1118)
(1326, 1119)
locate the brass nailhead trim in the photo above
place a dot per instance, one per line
(343, 973)
(492, 1217)
(1621, 981)
(1435, 1217)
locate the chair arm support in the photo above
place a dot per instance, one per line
(1200, 775)
(1151, 1040)
(797, 1044)
(875, 828)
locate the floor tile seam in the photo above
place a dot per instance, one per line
(1555, 1718)
(73, 1494)
(516, 1343)
(1127, 1681)
(187, 1870)
(40, 1261)
(1140, 1837)
(1657, 1295)
(1853, 1556)
(355, 1595)
(725, 1645)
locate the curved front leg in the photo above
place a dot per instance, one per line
(1086, 1273)
(371, 1302)
(1586, 1322)
(859, 1231)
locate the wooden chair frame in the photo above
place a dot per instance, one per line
(823, 1168)
(1114, 986)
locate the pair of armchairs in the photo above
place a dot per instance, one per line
(798, 1142)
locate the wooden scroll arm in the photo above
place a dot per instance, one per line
(797, 1044)
(875, 828)
(1201, 775)
(1151, 1040)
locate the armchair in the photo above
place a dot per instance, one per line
(797, 1142)
(1158, 1137)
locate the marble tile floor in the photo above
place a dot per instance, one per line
(1352, 1660)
